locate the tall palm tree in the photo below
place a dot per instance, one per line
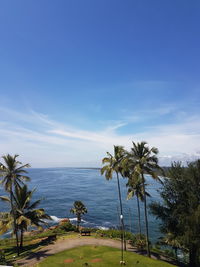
(79, 209)
(13, 174)
(145, 161)
(135, 188)
(114, 165)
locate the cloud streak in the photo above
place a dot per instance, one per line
(44, 142)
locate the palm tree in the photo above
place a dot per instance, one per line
(135, 188)
(13, 174)
(79, 209)
(26, 212)
(144, 161)
(114, 165)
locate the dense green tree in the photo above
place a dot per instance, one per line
(180, 210)
(135, 188)
(113, 164)
(143, 160)
(79, 209)
(13, 175)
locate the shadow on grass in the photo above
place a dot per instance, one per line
(28, 251)
(38, 255)
(161, 257)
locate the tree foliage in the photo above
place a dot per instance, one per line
(79, 209)
(139, 161)
(180, 210)
(13, 175)
(22, 213)
(26, 213)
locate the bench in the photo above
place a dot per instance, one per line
(85, 232)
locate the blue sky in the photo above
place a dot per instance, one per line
(77, 77)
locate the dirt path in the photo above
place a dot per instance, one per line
(65, 244)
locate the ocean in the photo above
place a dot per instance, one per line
(60, 187)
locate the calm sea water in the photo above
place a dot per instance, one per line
(60, 187)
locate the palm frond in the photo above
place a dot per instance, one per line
(5, 198)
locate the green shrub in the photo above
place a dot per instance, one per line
(113, 233)
(139, 241)
(67, 227)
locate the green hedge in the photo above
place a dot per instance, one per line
(113, 233)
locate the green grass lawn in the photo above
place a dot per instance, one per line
(105, 256)
(31, 244)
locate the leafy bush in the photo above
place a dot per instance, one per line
(113, 233)
(139, 241)
(67, 227)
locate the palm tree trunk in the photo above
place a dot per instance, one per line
(121, 218)
(139, 221)
(78, 224)
(21, 240)
(146, 219)
(14, 221)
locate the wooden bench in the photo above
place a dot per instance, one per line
(85, 232)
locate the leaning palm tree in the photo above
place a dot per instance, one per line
(135, 188)
(13, 175)
(144, 161)
(79, 209)
(113, 164)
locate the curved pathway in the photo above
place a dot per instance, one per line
(64, 244)
(68, 243)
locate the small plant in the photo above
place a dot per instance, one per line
(67, 227)
(140, 244)
(113, 233)
(139, 241)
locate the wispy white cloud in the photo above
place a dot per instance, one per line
(45, 142)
